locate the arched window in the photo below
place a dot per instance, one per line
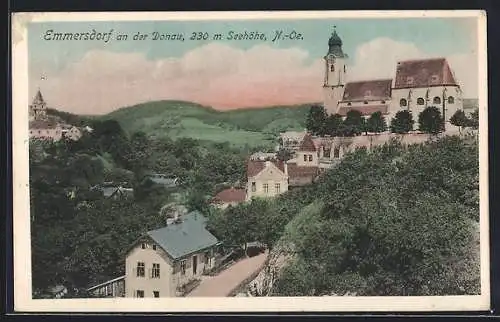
(365, 102)
(436, 100)
(332, 68)
(349, 104)
(336, 153)
(403, 102)
(420, 101)
(451, 100)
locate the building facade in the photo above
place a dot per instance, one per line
(417, 85)
(265, 178)
(162, 261)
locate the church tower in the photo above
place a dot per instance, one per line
(38, 109)
(335, 73)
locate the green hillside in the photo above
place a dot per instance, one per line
(174, 119)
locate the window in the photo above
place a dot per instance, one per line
(305, 158)
(365, 102)
(436, 100)
(451, 100)
(368, 93)
(310, 157)
(206, 257)
(403, 102)
(140, 269)
(39, 132)
(155, 273)
(409, 80)
(183, 267)
(382, 102)
(345, 69)
(420, 101)
(265, 186)
(143, 246)
(349, 104)
(154, 246)
(332, 68)
(156, 294)
(277, 188)
(434, 79)
(139, 293)
(326, 153)
(254, 188)
(336, 153)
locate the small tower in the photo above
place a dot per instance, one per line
(335, 73)
(38, 108)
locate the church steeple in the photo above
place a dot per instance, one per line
(335, 44)
(37, 109)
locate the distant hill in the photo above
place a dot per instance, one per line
(252, 126)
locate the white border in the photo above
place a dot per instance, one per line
(21, 219)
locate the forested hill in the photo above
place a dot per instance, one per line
(174, 119)
(397, 221)
(252, 126)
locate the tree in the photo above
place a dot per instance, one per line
(284, 155)
(474, 119)
(316, 118)
(333, 125)
(402, 122)
(459, 119)
(430, 120)
(353, 123)
(376, 123)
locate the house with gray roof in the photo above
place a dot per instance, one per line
(162, 261)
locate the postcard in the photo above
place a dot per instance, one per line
(250, 161)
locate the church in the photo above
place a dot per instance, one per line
(417, 84)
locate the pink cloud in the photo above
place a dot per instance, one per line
(220, 76)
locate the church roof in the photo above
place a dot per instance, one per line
(254, 167)
(379, 89)
(365, 110)
(38, 98)
(424, 73)
(307, 144)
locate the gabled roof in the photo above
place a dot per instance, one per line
(307, 144)
(231, 195)
(295, 171)
(254, 167)
(184, 238)
(423, 73)
(379, 89)
(365, 110)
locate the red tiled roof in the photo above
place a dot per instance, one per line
(423, 73)
(254, 167)
(231, 195)
(295, 171)
(365, 110)
(368, 90)
(307, 144)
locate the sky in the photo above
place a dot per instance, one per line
(94, 77)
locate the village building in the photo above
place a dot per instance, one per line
(43, 126)
(417, 84)
(45, 130)
(229, 197)
(304, 168)
(265, 178)
(162, 261)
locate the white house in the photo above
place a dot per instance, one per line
(162, 261)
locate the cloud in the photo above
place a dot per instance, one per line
(217, 75)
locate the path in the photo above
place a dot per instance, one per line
(221, 285)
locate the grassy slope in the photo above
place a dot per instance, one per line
(255, 127)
